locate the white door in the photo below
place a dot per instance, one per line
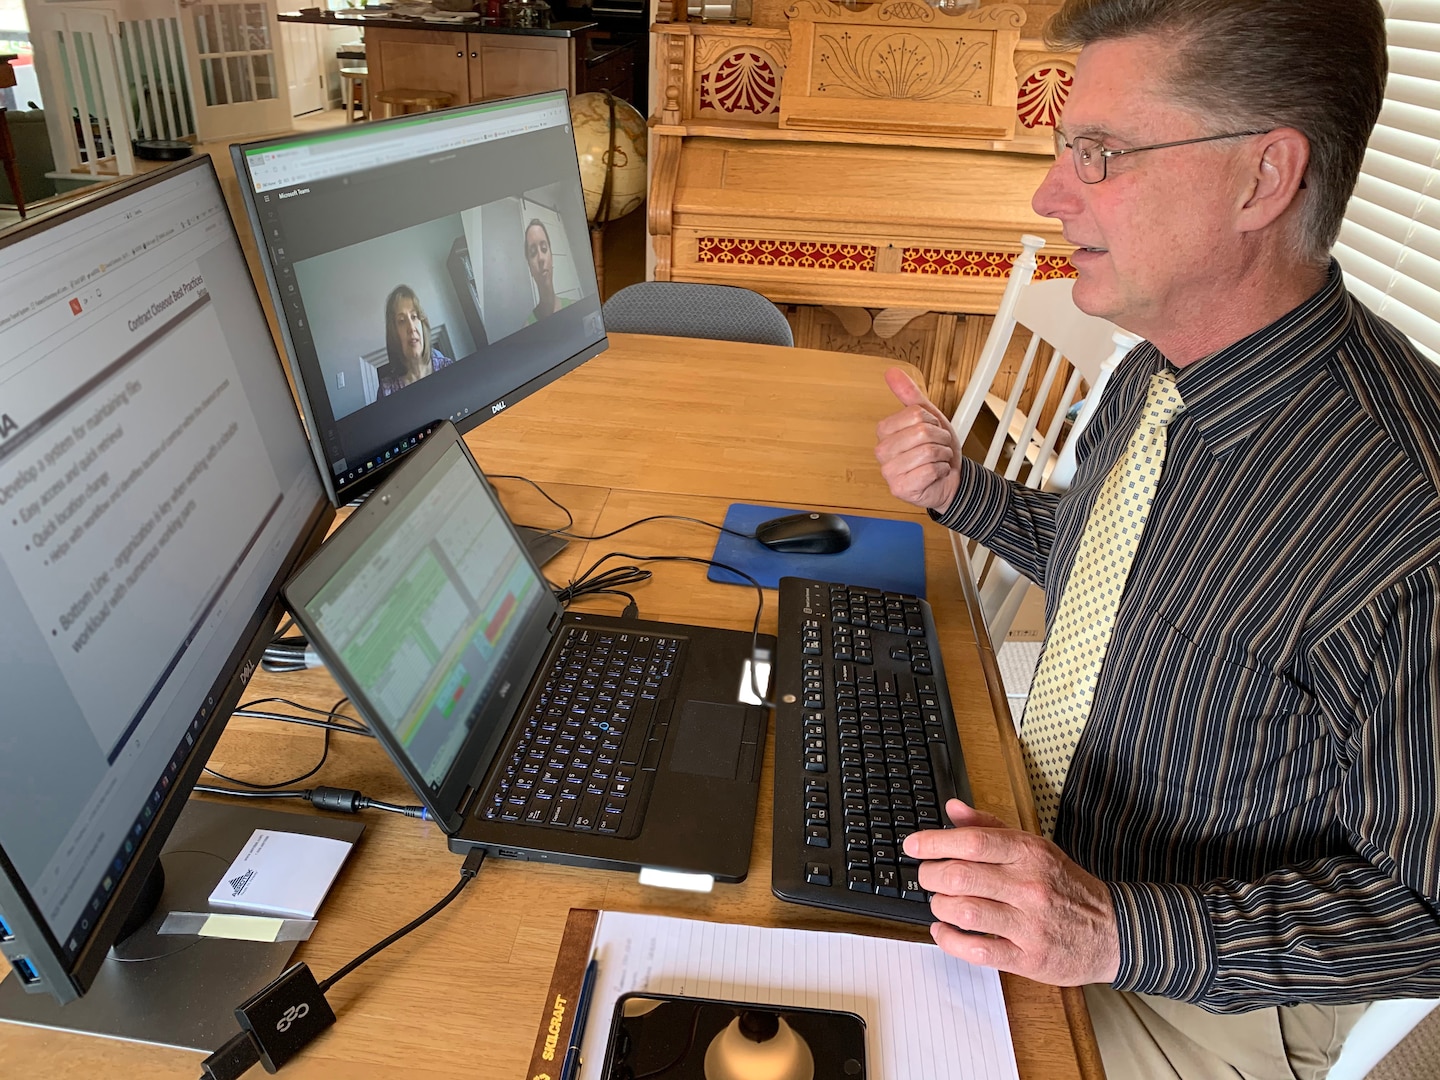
(302, 61)
(237, 70)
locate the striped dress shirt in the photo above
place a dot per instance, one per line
(1259, 778)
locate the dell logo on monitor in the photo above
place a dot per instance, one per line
(499, 406)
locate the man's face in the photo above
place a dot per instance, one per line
(537, 254)
(1156, 235)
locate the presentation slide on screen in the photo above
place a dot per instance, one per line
(136, 488)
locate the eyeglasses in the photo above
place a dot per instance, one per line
(1091, 157)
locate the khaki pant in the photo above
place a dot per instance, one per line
(1150, 1038)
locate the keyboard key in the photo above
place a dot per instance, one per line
(817, 873)
(859, 881)
(587, 812)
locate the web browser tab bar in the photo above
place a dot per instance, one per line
(337, 155)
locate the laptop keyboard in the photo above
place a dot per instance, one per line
(865, 747)
(586, 750)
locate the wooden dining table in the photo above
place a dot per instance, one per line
(654, 425)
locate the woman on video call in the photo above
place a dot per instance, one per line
(411, 355)
(542, 270)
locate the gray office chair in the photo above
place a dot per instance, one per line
(686, 309)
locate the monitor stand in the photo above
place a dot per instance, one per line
(542, 545)
(180, 990)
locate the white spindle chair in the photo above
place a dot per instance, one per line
(1074, 347)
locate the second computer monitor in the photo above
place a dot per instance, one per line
(423, 268)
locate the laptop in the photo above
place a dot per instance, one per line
(527, 730)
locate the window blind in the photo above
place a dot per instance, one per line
(1389, 245)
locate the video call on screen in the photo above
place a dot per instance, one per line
(430, 288)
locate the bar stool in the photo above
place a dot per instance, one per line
(355, 90)
(400, 101)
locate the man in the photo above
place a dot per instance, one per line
(1244, 787)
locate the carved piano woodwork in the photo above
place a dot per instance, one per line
(872, 163)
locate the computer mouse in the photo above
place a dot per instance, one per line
(805, 534)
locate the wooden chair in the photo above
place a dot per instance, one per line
(687, 309)
(1380, 1029)
(1067, 361)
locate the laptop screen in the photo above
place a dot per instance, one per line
(427, 610)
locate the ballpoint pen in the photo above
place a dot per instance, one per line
(570, 1067)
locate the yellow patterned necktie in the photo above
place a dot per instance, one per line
(1064, 685)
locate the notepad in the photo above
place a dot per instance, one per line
(281, 873)
(926, 1013)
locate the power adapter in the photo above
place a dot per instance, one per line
(286, 1016)
(278, 1022)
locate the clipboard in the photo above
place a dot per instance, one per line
(558, 1018)
(919, 1005)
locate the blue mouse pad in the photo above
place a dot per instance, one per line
(883, 554)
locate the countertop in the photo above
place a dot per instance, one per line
(564, 22)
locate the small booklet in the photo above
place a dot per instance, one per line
(281, 873)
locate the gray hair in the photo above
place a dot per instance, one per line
(1318, 66)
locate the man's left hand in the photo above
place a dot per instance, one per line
(1014, 901)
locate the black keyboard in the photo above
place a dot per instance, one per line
(583, 759)
(865, 748)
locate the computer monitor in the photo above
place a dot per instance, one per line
(155, 492)
(427, 267)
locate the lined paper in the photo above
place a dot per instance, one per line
(926, 1013)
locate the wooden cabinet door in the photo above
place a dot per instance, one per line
(418, 60)
(477, 67)
(522, 65)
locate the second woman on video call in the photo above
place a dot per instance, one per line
(541, 261)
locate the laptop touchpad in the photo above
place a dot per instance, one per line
(708, 740)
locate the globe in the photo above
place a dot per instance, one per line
(590, 120)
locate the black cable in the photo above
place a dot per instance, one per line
(759, 603)
(280, 632)
(324, 752)
(211, 789)
(606, 583)
(248, 709)
(257, 1043)
(569, 517)
(565, 530)
(330, 713)
(280, 659)
(660, 517)
(343, 800)
(468, 871)
(305, 721)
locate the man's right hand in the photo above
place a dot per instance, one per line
(918, 450)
